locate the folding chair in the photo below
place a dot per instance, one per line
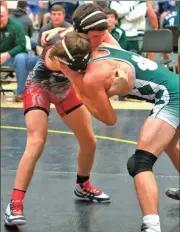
(159, 41)
(176, 35)
(4, 70)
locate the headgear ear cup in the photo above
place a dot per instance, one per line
(77, 62)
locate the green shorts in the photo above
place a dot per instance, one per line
(167, 106)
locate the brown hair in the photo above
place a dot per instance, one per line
(108, 11)
(82, 12)
(57, 8)
(76, 43)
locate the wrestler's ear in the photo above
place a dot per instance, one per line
(69, 73)
(64, 67)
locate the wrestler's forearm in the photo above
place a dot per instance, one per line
(101, 117)
(106, 118)
(113, 91)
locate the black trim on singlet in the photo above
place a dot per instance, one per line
(72, 109)
(36, 108)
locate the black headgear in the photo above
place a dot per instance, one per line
(80, 25)
(77, 62)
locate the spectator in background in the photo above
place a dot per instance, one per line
(33, 11)
(152, 21)
(170, 19)
(57, 17)
(3, 3)
(102, 4)
(131, 15)
(13, 49)
(114, 28)
(21, 16)
(165, 6)
(69, 6)
(152, 11)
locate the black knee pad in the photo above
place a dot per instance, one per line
(141, 161)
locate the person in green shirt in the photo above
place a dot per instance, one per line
(13, 49)
(114, 28)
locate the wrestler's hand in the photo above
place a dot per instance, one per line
(119, 81)
(121, 75)
(47, 35)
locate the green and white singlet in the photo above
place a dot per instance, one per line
(152, 82)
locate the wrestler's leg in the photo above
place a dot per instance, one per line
(36, 110)
(151, 143)
(151, 139)
(79, 121)
(36, 123)
(173, 150)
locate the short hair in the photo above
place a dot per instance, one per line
(22, 4)
(108, 11)
(57, 8)
(84, 11)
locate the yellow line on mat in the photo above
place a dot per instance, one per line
(70, 133)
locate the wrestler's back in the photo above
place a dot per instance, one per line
(47, 78)
(112, 81)
(149, 77)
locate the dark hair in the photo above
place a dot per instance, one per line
(57, 8)
(102, 4)
(108, 11)
(22, 4)
(77, 44)
(82, 12)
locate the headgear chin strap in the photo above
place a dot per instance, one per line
(77, 62)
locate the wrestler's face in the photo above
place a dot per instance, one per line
(96, 38)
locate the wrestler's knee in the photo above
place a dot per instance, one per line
(89, 146)
(35, 146)
(92, 144)
(141, 161)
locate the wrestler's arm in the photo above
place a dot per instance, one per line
(47, 35)
(92, 93)
(86, 92)
(97, 102)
